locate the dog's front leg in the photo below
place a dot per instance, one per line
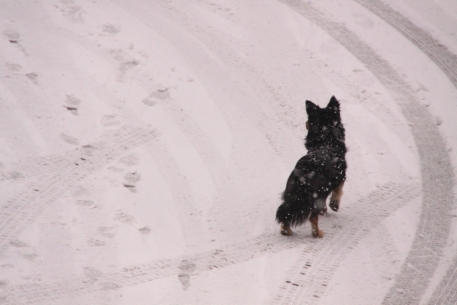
(286, 230)
(335, 199)
(313, 219)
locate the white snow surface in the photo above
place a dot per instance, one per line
(144, 145)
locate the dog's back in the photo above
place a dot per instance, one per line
(320, 172)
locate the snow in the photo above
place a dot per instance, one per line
(144, 146)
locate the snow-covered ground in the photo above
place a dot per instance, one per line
(144, 145)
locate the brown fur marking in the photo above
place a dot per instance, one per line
(314, 219)
(335, 199)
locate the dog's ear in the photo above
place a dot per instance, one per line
(310, 107)
(333, 105)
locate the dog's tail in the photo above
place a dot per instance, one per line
(297, 201)
(293, 213)
(306, 192)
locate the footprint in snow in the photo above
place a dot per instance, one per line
(69, 139)
(126, 62)
(157, 96)
(111, 29)
(86, 203)
(71, 11)
(12, 36)
(109, 286)
(18, 244)
(89, 149)
(32, 76)
(149, 101)
(96, 242)
(30, 256)
(130, 220)
(108, 232)
(125, 218)
(24, 250)
(116, 169)
(13, 67)
(184, 278)
(124, 66)
(120, 56)
(132, 177)
(161, 94)
(145, 230)
(130, 160)
(130, 181)
(72, 103)
(111, 120)
(130, 187)
(92, 273)
(12, 175)
(187, 269)
(438, 121)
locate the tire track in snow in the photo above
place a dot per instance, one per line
(436, 169)
(438, 53)
(446, 293)
(307, 280)
(38, 166)
(392, 197)
(147, 272)
(26, 206)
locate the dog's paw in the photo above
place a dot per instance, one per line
(285, 230)
(335, 205)
(318, 233)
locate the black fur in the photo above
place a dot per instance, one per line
(318, 173)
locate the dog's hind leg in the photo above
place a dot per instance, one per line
(313, 219)
(286, 230)
(324, 211)
(335, 199)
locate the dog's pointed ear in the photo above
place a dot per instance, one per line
(334, 104)
(310, 107)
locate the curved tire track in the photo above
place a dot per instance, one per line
(26, 206)
(32, 167)
(436, 169)
(438, 53)
(147, 272)
(307, 280)
(392, 197)
(446, 293)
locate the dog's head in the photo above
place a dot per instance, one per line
(324, 124)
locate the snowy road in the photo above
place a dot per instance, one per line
(145, 145)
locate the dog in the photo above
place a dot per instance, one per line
(321, 172)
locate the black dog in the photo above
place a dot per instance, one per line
(321, 172)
